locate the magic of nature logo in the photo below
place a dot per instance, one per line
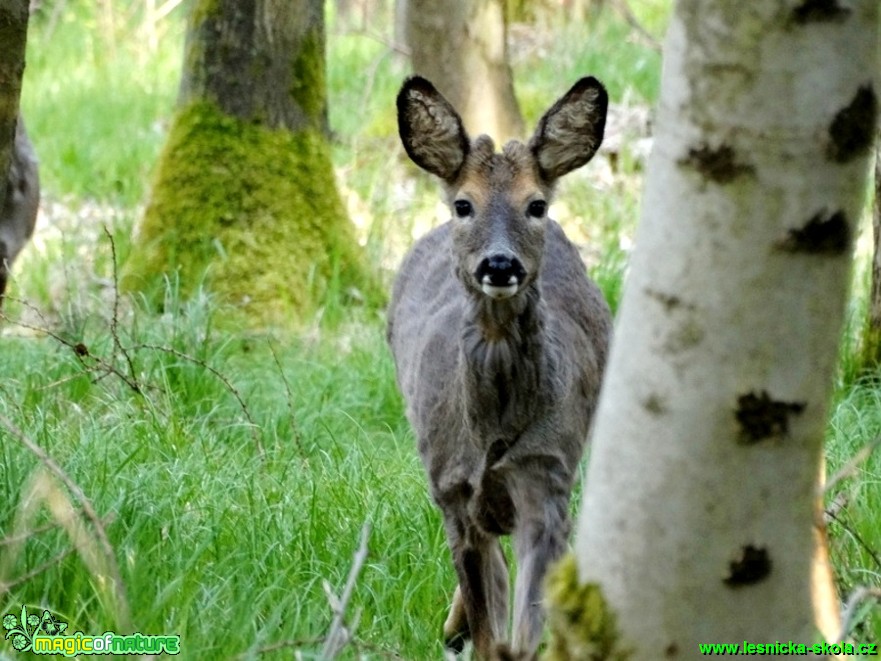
(45, 634)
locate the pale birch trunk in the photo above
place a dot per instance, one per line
(871, 350)
(700, 521)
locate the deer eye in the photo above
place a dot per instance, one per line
(537, 208)
(463, 208)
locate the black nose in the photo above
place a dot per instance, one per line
(498, 271)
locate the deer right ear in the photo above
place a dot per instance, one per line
(431, 129)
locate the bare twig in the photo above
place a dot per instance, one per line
(849, 611)
(52, 525)
(339, 636)
(114, 321)
(287, 386)
(80, 350)
(836, 506)
(118, 588)
(93, 364)
(281, 645)
(220, 377)
(853, 533)
(647, 37)
(371, 76)
(401, 49)
(853, 463)
(6, 586)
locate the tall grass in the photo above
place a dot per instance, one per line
(219, 542)
(235, 470)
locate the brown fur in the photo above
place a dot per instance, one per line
(500, 391)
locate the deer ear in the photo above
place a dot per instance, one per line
(570, 132)
(431, 129)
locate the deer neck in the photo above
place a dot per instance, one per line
(503, 360)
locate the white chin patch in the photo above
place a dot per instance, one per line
(495, 291)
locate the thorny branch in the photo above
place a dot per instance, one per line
(114, 321)
(95, 364)
(287, 386)
(220, 377)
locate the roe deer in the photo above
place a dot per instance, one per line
(19, 212)
(499, 340)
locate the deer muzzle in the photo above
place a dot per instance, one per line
(500, 276)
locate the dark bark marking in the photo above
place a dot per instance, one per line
(669, 301)
(819, 236)
(686, 336)
(716, 164)
(655, 404)
(853, 128)
(819, 11)
(761, 417)
(671, 650)
(751, 566)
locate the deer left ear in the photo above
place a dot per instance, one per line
(571, 131)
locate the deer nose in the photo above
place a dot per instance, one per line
(500, 271)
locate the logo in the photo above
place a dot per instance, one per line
(44, 634)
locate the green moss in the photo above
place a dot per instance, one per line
(870, 352)
(582, 626)
(253, 213)
(308, 77)
(202, 10)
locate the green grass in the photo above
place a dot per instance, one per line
(217, 542)
(215, 539)
(96, 100)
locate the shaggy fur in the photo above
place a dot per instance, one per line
(500, 391)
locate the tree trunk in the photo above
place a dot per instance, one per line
(13, 37)
(461, 47)
(701, 514)
(871, 350)
(245, 185)
(14, 17)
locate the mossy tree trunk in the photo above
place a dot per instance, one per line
(461, 47)
(244, 198)
(701, 520)
(13, 37)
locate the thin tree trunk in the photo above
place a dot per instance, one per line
(461, 47)
(13, 37)
(245, 198)
(700, 521)
(15, 226)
